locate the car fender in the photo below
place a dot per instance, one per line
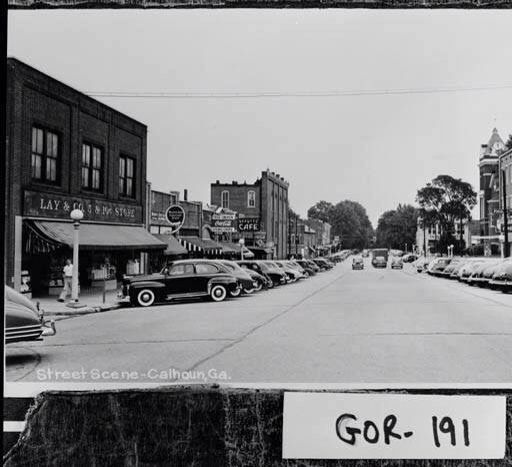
(226, 281)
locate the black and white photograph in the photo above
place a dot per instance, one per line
(281, 196)
(204, 198)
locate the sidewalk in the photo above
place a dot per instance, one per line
(93, 301)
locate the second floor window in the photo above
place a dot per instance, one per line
(225, 199)
(126, 177)
(92, 167)
(45, 155)
(251, 199)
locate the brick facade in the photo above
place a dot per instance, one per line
(36, 99)
(271, 206)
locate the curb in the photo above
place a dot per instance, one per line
(84, 311)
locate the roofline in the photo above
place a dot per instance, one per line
(14, 60)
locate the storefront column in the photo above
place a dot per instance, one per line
(144, 263)
(18, 251)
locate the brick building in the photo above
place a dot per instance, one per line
(263, 205)
(64, 151)
(489, 192)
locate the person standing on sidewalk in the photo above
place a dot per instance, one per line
(68, 280)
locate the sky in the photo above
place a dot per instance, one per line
(377, 149)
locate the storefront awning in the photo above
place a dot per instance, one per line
(174, 247)
(236, 248)
(200, 244)
(100, 236)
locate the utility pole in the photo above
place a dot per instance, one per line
(506, 252)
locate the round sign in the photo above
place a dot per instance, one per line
(175, 215)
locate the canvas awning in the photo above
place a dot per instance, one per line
(236, 248)
(200, 244)
(174, 247)
(100, 236)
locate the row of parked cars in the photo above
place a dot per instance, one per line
(493, 273)
(217, 279)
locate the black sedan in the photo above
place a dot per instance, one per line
(181, 280)
(276, 276)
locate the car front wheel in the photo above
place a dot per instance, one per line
(218, 293)
(235, 293)
(145, 297)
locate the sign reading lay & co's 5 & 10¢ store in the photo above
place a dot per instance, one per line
(60, 206)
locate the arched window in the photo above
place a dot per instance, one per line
(225, 199)
(251, 199)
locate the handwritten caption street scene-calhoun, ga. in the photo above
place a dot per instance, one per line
(393, 426)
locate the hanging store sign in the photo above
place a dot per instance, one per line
(223, 223)
(175, 216)
(249, 224)
(36, 204)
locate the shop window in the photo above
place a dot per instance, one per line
(45, 155)
(225, 199)
(251, 199)
(92, 167)
(126, 176)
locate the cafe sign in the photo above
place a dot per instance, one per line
(55, 206)
(249, 224)
(175, 216)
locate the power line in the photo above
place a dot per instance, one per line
(278, 94)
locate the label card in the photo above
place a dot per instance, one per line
(393, 426)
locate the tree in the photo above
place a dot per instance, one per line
(348, 220)
(508, 144)
(397, 228)
(445, 201)
(321, 210)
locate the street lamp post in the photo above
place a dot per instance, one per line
(242, 243)
(76, 215)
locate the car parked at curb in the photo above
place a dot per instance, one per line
(309, 268)
(183, 279)
(24, 320)
(247, 284)
(275, 275)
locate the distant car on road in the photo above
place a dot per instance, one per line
(379, 262)
(397, 263)
(24, 321)
(181, 280)
(357, 263)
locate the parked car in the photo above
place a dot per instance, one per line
(323, 263)
(309, 268)
(397, 262)
(357, 263)
(276, 275)
(379, 262)
(261, 280)
(181, 280)
(450, 268)
(292, 274)
(476, 275)
(502, 279)
(247, 284)
(421, 264)
(437, 266)
(409, 257)
(467, 269)
(24, 321)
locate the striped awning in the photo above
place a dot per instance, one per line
(204, 245)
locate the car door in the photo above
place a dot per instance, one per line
(204, 272)
(179, 278)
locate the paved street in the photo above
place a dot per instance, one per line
(342, 326)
